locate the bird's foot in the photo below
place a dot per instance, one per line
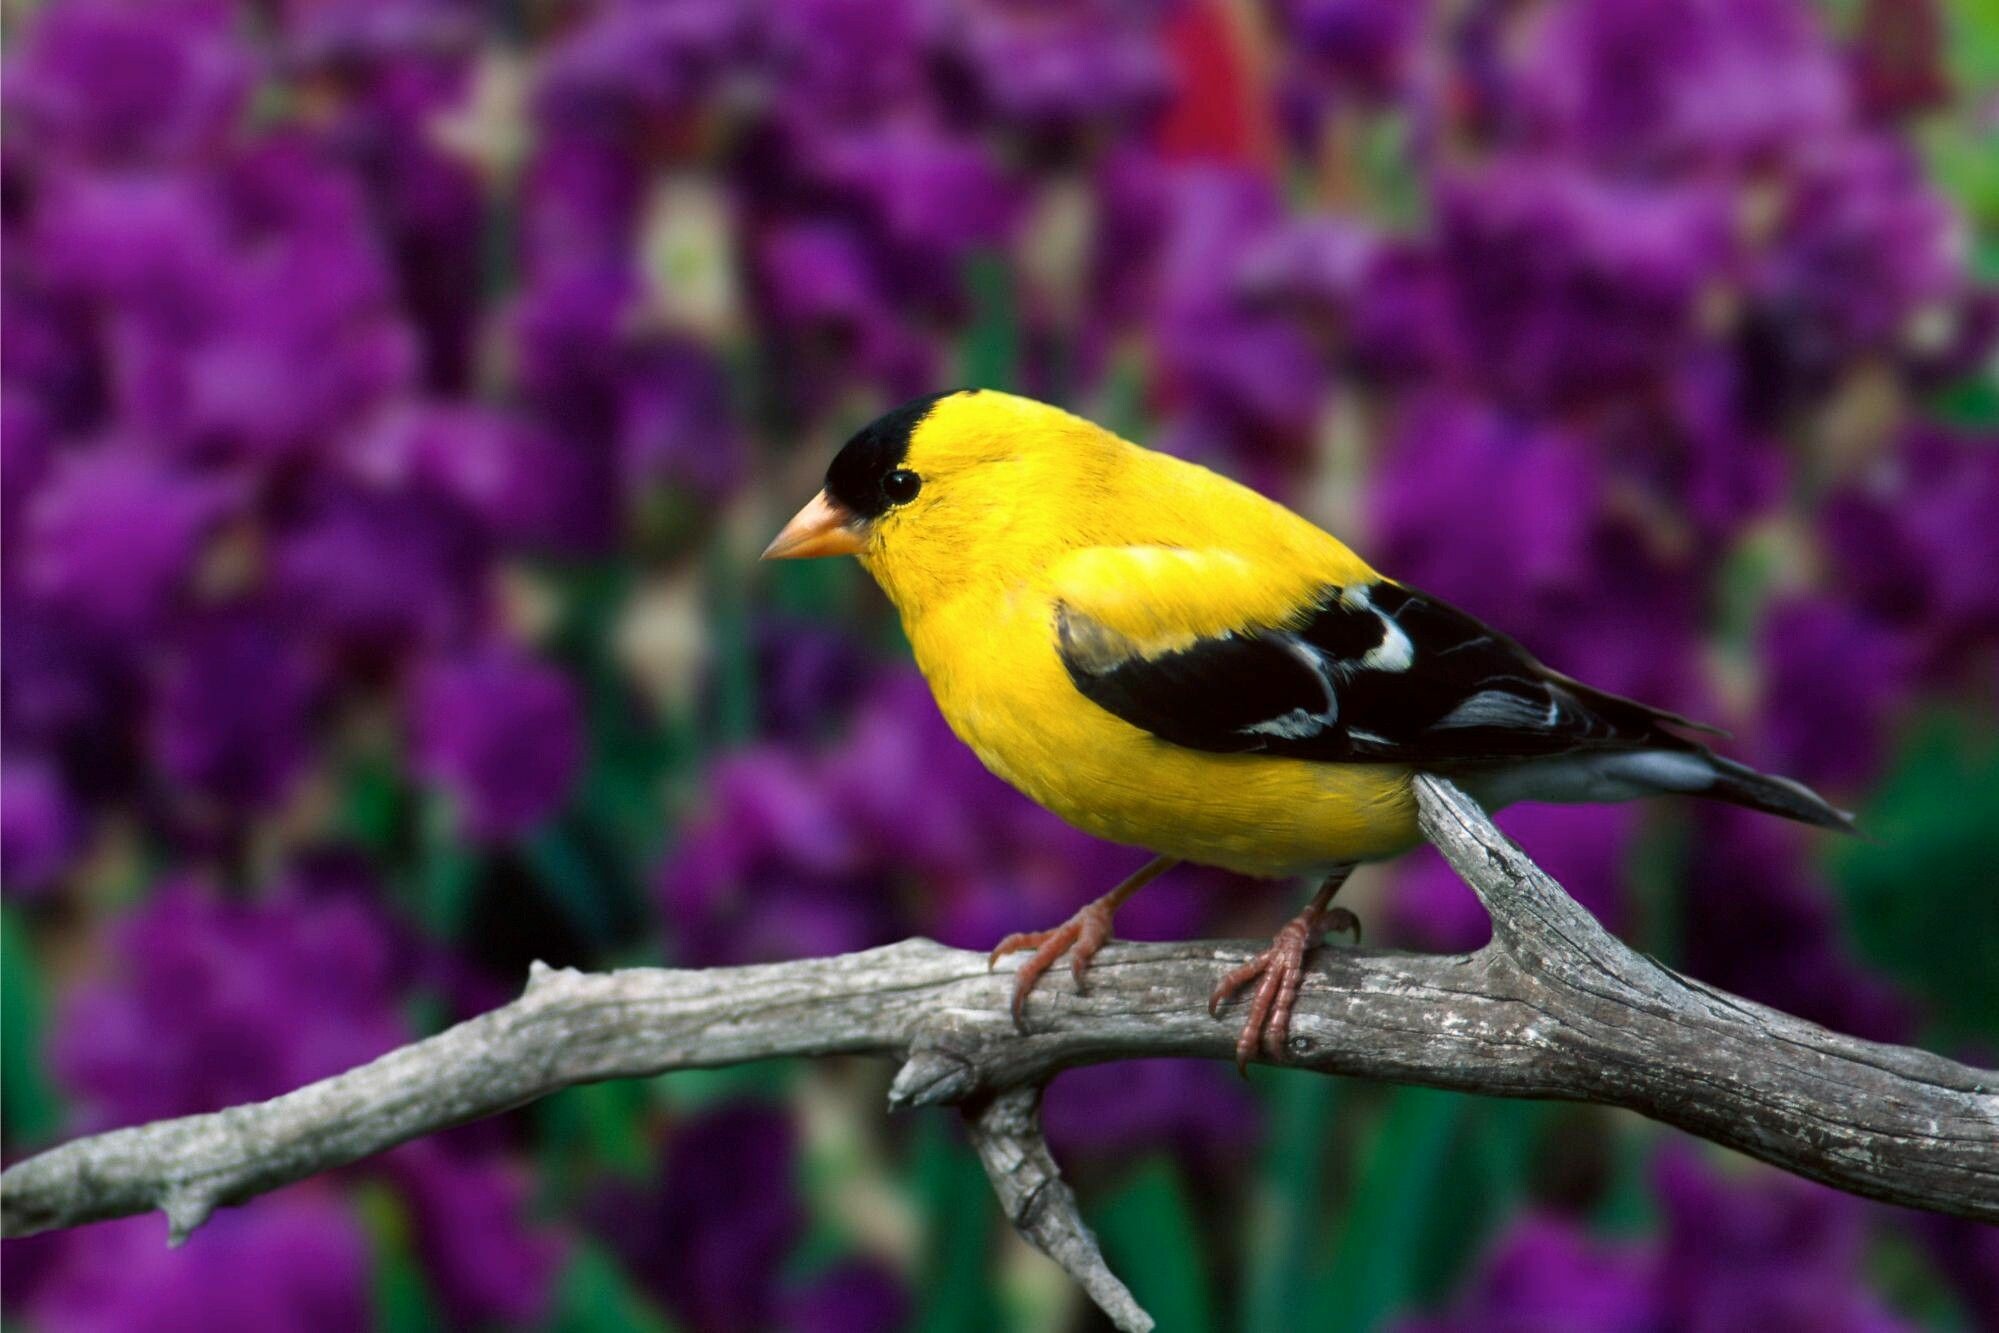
(1080, 937)
(1278, 972)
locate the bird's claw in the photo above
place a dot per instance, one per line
(1278, 973)
(1081, 936)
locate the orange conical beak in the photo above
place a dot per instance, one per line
(823, 527)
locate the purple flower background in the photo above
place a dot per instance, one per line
(394, 395)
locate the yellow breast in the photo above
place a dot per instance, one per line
(993, 666)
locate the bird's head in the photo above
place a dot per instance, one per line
(956, 486)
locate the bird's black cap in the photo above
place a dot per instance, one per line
(858, 472)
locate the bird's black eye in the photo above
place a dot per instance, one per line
(901, 486)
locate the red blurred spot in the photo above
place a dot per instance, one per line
(1221, 107)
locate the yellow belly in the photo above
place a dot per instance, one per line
(1005, 693)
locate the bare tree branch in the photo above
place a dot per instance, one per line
(1553, 1007)
(1006, 1133)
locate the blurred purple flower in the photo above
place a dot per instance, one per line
(926, 195)
(510, 475)
(1568, 289)
(248, 312)
(1484, 507)
(1130, 192)
(1245, 374)
(1360, 49)
(380, 572)
(1680, 84)
(1769, 1251)
(40, 828)
(1585, 848)
(1757, 922)
(466, 1219)
(633, 68)
(297, 1259)
(27, 451)
(69, 690)
(408, 52)
(1696, 454)
(501, 734)
(50, 349)
(842, 60)
(627, 408)
(232, 717)
(115, 532)
(1864, 255)
(213, 1003)
(826, 294)
(127, 84)
(147, 250)
(768, 869)
(1195, 1110)
(920, 198)
(818, 274)
(1968, 1254)
(582, 199)
(1828, 724)
(858, 1296)
(1545, 1273)
(898, 756)
(433, 213)
(567, 327)
(305, 349)
(1912, 542)
(710, 1242)
(1381, 307)
(1514, 523)
(1054, 74)
(675, 422)
(807, 675)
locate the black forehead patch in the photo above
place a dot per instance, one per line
(857, 472)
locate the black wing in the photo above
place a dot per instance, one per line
(1375, 674)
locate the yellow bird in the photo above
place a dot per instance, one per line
(1170, 660)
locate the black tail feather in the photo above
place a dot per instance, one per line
(1740, 784)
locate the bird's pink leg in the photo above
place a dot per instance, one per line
(1080, 937)
(1278, 972)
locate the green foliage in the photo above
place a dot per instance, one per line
(594, 1296)
(372, 802)
(589, 1131)
(1918, 892)
(449, 870)
(580, 889)
(953, 1282)
(1626, 1206)
(1151, 1240)
(1401, 1195)
(404, 1302)
(990, 358)
(1971, 49)
(1284, 1232)
(1911, 1284)
(28, 1104)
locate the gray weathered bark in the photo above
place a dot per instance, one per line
(1552, 1007)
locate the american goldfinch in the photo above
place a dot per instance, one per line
(1167, 659)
